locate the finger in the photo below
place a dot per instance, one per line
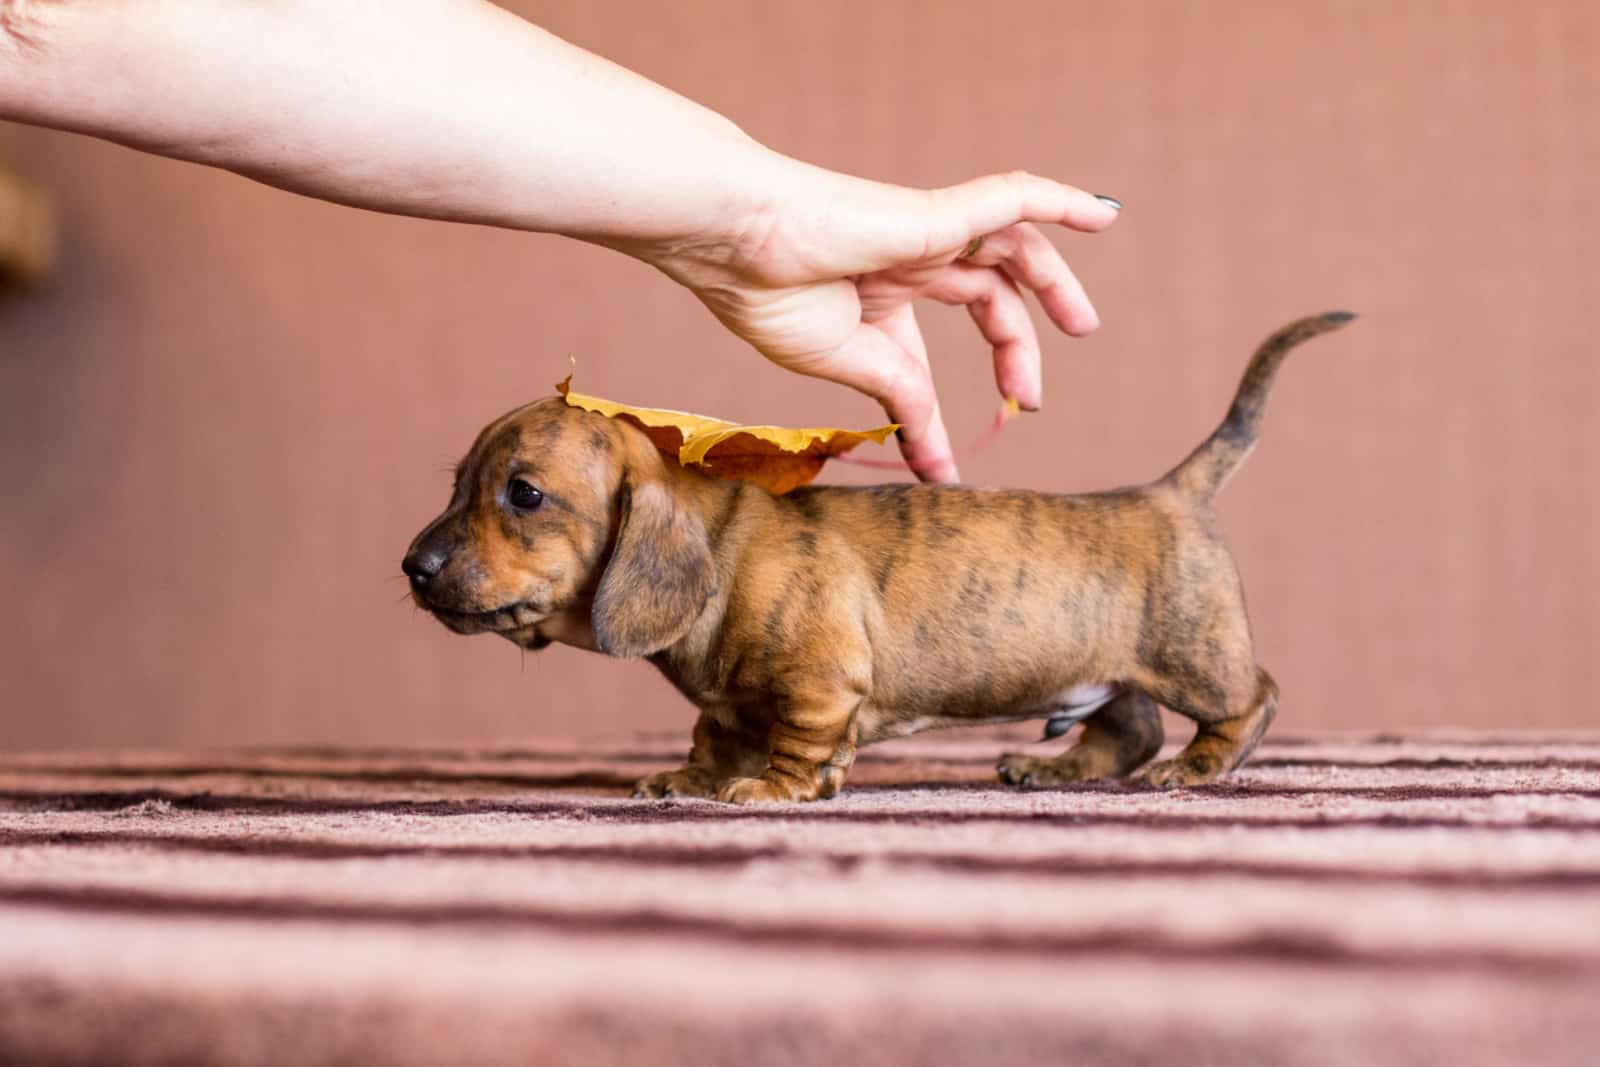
(993, 202)
(931, 456)
(887, 361)
(1030, 260)
(996, 306)
(913, 402)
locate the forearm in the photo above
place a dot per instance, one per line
(451, 109)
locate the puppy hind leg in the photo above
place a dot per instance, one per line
(1116, 740)
(720, 754)
(1219, 745)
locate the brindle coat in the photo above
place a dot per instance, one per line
(805, 625)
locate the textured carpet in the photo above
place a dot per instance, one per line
(1338, 901)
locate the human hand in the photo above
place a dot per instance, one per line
(822, 276)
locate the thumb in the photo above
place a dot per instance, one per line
(995, 201)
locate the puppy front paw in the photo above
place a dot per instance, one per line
(1179, 772)
(756, 791)
(683, 782)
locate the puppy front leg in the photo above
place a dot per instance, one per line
(721, 752)
(809, 751)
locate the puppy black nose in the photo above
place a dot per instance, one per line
(422, 565)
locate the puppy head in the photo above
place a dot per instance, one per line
(564, 524)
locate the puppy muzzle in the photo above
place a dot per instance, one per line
(516, 622)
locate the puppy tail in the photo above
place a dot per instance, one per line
(1209, 467)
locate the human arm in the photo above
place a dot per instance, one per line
(459, 110)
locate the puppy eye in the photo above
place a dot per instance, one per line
(523, 495)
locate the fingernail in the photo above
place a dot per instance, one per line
(899, 433)
(1116, 205)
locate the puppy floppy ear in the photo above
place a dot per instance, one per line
(660, 574)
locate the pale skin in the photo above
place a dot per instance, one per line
(462, 111)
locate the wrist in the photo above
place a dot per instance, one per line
(729, 216)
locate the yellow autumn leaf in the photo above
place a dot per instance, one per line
(777, 458)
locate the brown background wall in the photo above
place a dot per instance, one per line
(222, 425)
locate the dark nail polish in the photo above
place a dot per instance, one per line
(1113, 201)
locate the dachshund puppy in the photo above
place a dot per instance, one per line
(805, 625)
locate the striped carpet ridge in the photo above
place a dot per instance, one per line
(1340, 899)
